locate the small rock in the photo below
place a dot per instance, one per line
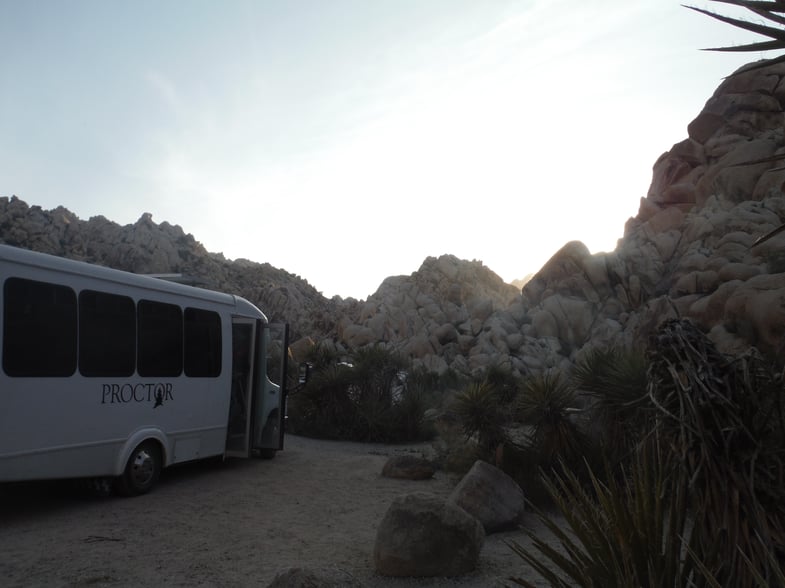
(408, 467)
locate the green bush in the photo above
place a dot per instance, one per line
(364, 399)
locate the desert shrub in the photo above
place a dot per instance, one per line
(482, 410)
(628, 530)
(548, 404)
(480, 414)
(435, 385)
(408, 421)
(323, 407)
(702, 502)
(554, 438)
(454, 453)
(725, 423)
(363, 399)
(615, 380)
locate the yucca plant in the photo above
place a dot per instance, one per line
(777, 577)
(631, 530)
(479, 413)
(712, 491)
(615, 380)
(548, 404)
(771, 11)
(724, 421)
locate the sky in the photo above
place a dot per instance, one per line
(345, 141)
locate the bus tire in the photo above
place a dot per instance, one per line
(141, 471)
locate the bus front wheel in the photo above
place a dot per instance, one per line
(141, 471)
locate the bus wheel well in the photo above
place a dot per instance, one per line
(142, 469)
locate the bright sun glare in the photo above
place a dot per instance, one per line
(346, 143)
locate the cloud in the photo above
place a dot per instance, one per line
(164, 89)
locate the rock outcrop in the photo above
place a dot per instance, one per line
(689, 252)
(149, 248)
(448, 314)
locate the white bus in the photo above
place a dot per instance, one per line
(112, 375)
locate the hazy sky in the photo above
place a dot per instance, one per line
(347, 140)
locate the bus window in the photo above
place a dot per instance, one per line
(39, 329)
(159, 340)
(202, 343)
(107, 334)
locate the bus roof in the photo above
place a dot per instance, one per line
(44, 261)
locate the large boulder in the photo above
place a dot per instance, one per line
(490, 496)
(422, 536)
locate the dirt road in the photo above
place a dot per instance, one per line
(225, 524)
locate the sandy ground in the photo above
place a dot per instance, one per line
(233, 523)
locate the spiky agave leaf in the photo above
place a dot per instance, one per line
(631, 530)
(770, 11)
(547, 403)
(479, 412)
(723, 419)
(615, 378)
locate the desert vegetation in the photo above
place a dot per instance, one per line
(768, 10)
(691, 489)
(370, 395)
(667, 463)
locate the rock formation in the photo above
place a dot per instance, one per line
(149, 248)
(689, 252)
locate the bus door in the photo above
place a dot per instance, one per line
(270, 388)
(238, 431)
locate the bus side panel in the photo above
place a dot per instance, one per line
(80, 427)
(65, 427)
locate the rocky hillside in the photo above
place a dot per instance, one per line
(149, 248)
(689, 251)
